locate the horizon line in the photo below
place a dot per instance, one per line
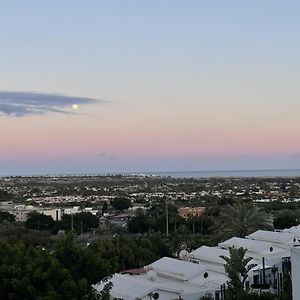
(115, 173)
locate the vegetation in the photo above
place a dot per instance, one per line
(82, 222)
(286, 219)
(230, 211)
(207, 297)
(5, 196)
(39, 221)
(120, 203)
(33, 273)
(6, 217)
(242, 219)
(236, 268)
(67, 270)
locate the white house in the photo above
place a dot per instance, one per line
(202, 271)
(170, 279)
(284, 239)
(295, 259)
(210, 256)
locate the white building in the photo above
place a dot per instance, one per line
(295, 259)
(21, 212)
(284, 239)
(210, 256)
(170, 279)
(273, 253)
(55, 213)
(202, 271)
(72, 210)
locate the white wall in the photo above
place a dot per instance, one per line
(296, 272)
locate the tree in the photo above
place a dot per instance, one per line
(16, 232)
(242, 219)
(5, 196)
(207, 296)
(82, 222)
(104, 208)
(139, 224)
(105, 293)
(81, 263)
(286, 219)
(200, 224)
(120, 203)
(34, 273)
(6, 217)
(236, 268)
(39, 221)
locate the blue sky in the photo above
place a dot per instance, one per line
(175, 83)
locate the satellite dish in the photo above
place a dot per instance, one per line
(183, 254)
(151, 275)
(147, 268)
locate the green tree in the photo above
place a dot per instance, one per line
(286, 219)
(120, 203)
(82, 222)
(138, 224)
(33, 273)
(242, 219)
(104, 208)
(5, 196)
(236, 268)
(39, 221)
(6, 217)
(105, 293)
(207, 296)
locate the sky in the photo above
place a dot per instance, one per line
(160, 86)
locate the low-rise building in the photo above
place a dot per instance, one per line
(168, 279)
(186, 212)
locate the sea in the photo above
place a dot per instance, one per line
(231, 173)
(185, 174)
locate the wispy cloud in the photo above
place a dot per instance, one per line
(29, 103)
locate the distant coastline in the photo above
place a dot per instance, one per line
(230, 173)
(271, 173)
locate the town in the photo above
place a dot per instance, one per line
(186, 215)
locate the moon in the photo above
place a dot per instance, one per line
(75, 106)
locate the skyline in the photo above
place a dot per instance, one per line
(166, 86)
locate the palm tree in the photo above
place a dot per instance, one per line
(237, 267)
(242, 219)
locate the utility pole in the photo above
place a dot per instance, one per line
(193, 227)
(80, 227)
(201, 228)
(167, 218)
(71, 222)
(264, 270)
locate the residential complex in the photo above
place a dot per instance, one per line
(200, 272)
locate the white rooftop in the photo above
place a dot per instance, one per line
(129, 287)
(256, 249)
(274, 237)
(209, 254)
(294, 230)
(179, 269)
